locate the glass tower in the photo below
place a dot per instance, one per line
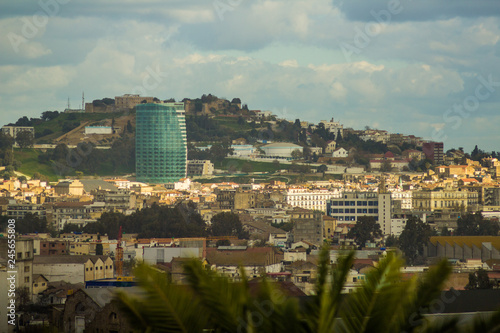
(160, 142)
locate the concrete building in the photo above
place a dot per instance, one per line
(155, 255)
(200, 168)
(129, 101)
(340, 153)
(94, 310)
(115, 200)
(444, 199)
(70, 212)
(19, 210)
(98, 130)
(281, 149)
(230, 260)
(235, 199)
(23, 261)
(13, 131)
(330, 146)
(307, 226)
(353, 205)
(404, 198)
(69, 187)
(243, 150)
(434, 152)
(333, 127)
(310, 199)
(73, 268)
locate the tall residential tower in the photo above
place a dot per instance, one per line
(160, 142)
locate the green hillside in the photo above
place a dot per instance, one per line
(65, 122)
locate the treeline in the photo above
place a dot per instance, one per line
(7, 156)
(164, 222)
(87, 159)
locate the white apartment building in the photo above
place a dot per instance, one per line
(404, 197)
(353, 205)
(310, 199)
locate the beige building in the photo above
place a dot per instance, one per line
(129, 101)
(329, 225)
(40, 284)
(307, 225)
(23, 261)
(444, 199)
(73, 268)
(69, 187)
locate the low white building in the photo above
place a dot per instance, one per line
(243, 150)
(404, 197)
(281, 149)
(314, 200)
(98, 130)
(340, 153)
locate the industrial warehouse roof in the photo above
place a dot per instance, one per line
(282, 145)
(66, 259)
(95, 184)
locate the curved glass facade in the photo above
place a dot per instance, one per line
(161, 143)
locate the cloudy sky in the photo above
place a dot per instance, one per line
(429, 67)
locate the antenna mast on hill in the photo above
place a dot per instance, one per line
(68, 103)
(83, 100)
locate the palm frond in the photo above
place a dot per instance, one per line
(484, 323)
(361, 311)
(162, 306)
(226, 302)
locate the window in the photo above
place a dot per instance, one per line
(26, 269)
(27, 254)
(27, 279)
(19, 255)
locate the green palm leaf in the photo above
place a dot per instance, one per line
(163, 307)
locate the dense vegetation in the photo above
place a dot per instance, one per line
(164, 222)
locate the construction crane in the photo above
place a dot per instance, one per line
(119, 255)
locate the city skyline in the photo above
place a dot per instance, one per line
(429, 68)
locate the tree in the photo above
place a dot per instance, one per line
(366, 229)
(24, 139)
(386, 166)
(392, 241)
(223, 242)
(414, 237)
(322, 168)
(276, 164)
(445, 232)
(227, 224)
(479, 280)
(475, 225)
(247, 167)
(32, 223)
(98, 249)
(296, 154)
(384, 302)
(129, 127)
